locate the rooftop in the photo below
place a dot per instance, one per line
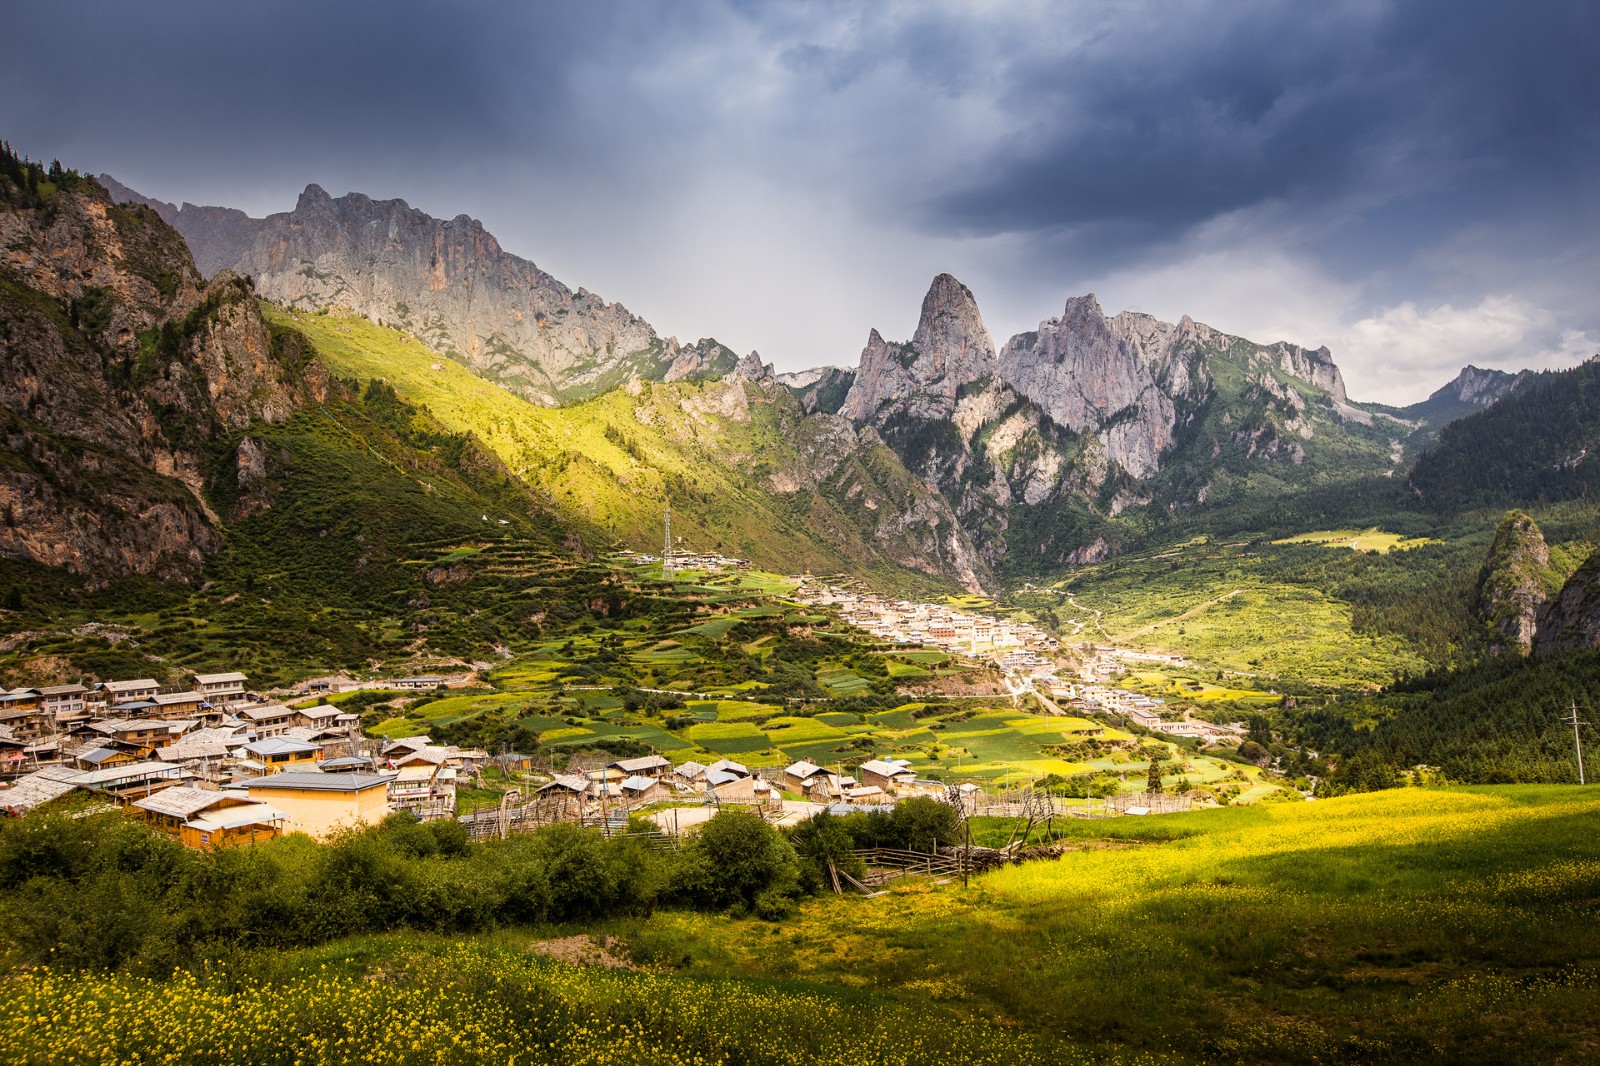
(316, 781)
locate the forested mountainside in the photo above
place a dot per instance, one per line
(1536, 445)
(1474, 389)
(447, 282)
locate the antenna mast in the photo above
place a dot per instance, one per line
(666, 541)
(1577, 742)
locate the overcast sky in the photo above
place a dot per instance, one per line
(1413, 184)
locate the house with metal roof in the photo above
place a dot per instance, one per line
(644, 766)
(207, 818)
(133, 779)
(729, 766)
(278, 754)
(887, 774)
(268, 719)
(320, 804)
(36, 789)
(128, 691)
(220, 688)
(638, 790)
(62, 701)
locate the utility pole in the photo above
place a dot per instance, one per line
(1577, 741)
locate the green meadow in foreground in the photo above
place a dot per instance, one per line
(1414, 925)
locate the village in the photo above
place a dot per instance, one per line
(1029, 658)
(215, 763)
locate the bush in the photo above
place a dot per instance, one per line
(739, 861)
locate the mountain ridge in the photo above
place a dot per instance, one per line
(447, 281)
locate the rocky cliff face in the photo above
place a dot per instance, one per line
(1571, 620)
(951, 349)
(1513, 585)
(447, 282)
(120, 372)
(822, 389)
(1090, 415)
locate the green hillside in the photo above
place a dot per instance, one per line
(733, 459)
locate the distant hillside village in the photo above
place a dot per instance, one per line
(215, 763)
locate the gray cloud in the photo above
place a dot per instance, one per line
(787, 174)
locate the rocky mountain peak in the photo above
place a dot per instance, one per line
(1477, 386)
(952, 346)
(312, 197)
(1513, 584)
(449, 283)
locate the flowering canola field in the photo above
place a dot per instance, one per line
(413, 1001)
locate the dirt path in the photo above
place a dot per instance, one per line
(1190, 613)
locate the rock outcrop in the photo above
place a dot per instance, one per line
(951, 349)
(1082, 418)
(449, 283)
(119, 373)
(1514, 584)
(1571, 620)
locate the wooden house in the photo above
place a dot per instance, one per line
(652, 766)
(131, 780)
(116, 692)
(805, 778)
(638, 790)
(207, 818)
(267, 720)
(690, 775)
(563, 798)
(62, 701)
(179, 705)
(887, 774)
(724, 786)
(220, 689)
(22, 711)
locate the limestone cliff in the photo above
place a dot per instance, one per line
(950, 350)
(450, 284)
(119, 371)
(1039, 446)
(1513, 584)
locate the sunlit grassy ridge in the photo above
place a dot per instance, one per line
(725, 455)
(1228, 605)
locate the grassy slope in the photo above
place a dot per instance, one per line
(1415, 925)
(603, 466)
(364, 498)
(1434, 926)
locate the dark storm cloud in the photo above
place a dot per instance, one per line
(1174, 115)
(1409, 175)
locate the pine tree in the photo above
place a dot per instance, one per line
(1153, 784)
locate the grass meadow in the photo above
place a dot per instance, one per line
(1415, 925)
